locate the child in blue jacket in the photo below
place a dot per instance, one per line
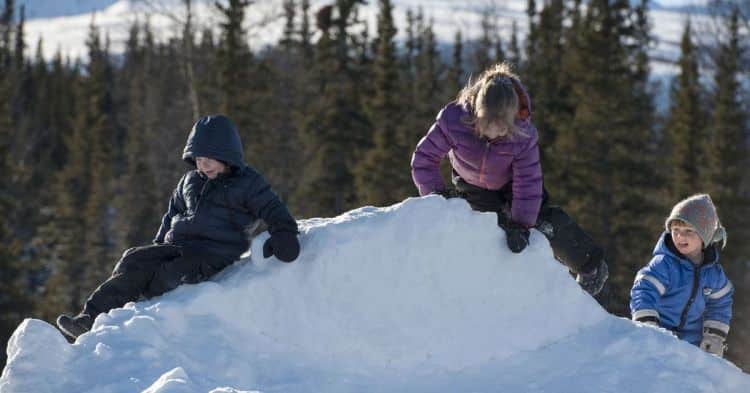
(683, 288)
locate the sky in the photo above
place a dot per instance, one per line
(420, 296)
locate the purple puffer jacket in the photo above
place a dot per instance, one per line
(489, 164)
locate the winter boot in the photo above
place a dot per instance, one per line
(593, 281)
(75, 326)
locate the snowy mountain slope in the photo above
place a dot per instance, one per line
(68, 21)
(38, 9)
(422, 296)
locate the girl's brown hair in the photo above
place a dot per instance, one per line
(492, 99)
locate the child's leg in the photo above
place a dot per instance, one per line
(192, 267)
(130, 278)
(481, 199)
(571, 245)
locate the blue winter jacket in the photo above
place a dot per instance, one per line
(216, 215)
(684, 298)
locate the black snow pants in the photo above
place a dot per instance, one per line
(571, 245)
(150, 271)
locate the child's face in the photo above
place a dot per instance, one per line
(494, 130)
(210, 167)
(686, 239)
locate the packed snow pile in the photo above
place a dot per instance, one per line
(422, 296)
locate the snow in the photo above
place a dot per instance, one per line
(421, 296)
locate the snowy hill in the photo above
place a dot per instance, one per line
(422, 296)
(64, 24)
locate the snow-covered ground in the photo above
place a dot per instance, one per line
(421, 296)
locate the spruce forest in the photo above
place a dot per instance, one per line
(90, 149)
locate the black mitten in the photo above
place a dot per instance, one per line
(517, 238)
(282, 244)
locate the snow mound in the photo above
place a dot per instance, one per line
(419, 296)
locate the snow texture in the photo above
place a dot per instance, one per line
(421, 296)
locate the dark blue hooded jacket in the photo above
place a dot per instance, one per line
(216, 215)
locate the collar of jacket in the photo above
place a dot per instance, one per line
(666, 246)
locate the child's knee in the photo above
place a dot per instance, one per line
(145, 258)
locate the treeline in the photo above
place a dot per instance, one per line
(90, 150)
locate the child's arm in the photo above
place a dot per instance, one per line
(425, 163)
(527, 184)
(176, 205)
(719, 305)
(651, 283)
(718, 314)
(265, 204)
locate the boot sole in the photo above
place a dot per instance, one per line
(69, 327)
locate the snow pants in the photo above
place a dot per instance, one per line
(150, 271)
(571, 245)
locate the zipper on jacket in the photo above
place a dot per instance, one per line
(691, 300)
(481, 167)
(200, 197)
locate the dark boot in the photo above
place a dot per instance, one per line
(75, 326)
(593, 281)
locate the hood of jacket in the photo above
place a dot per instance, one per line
(214, 137)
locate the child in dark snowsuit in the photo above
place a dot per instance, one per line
(493, 149)
(683, 288)
(205, 229)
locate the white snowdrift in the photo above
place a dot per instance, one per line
(422, 296)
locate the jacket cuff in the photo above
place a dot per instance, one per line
(716, 327)
(646, 315)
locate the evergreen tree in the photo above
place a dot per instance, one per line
(305, 33)
(484, 47)
(686, 124)
(245, 87)
(6, 29)
(544, 81)
(514, 49)
(97, 118)
(605, 146)
(410, 45)
(20, 40)
(380, 180)
(139, 208)
(728, 163)
(429, 74)
(337, 129)
(455, 76)
(531, 36)
(79, 238)
(234, 62)
(14, 305)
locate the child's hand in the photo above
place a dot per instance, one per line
(713, 342)
(517, 238)
(282, 244)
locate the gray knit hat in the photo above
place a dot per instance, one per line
(699, 212)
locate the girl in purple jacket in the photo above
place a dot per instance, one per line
(493, 149)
